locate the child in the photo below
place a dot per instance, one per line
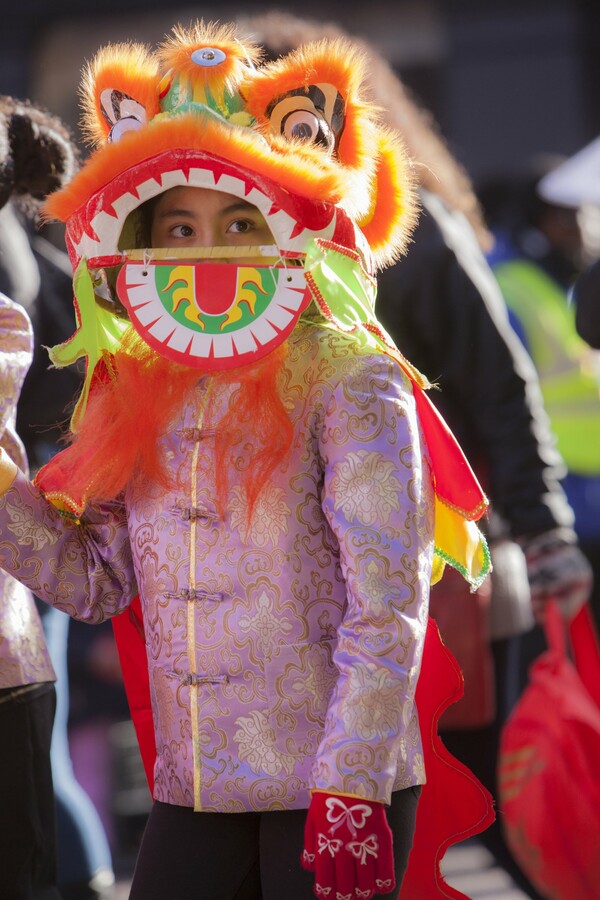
(254, 457)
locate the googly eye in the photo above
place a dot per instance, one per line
(208, 56)
(303, 125)
(122, 126)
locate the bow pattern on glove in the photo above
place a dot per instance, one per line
(348, 845)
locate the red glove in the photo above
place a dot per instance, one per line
(348, 845)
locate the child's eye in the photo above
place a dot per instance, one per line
(240, 226)
(182, 231)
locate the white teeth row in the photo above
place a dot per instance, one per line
(108, 227)
(147, 308)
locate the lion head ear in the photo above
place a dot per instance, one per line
(313, 94)
(389, 222)
(120, 92)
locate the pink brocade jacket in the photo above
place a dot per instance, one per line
(24, 657)
(283, 652)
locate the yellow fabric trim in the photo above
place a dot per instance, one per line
(343, 794)
(191, 630)
(191, 622)
(268, 251)
(8, 471)
(437, 569)
(460, 543)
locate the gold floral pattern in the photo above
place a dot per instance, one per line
(266, 627)
(376, 589)
(365, 487)
(270, 519)
(28, 533)
(256, 742)
(372, 705)
(307, 680)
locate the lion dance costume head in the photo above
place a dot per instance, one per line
(295, 138)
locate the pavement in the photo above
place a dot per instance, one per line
(468, 867)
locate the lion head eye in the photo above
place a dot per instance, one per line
(121, 112)
(129, 123)
(303, 125)
(310, 115)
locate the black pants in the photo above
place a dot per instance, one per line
(28, 837)
(242, 856)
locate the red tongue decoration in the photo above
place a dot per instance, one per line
(215, 285)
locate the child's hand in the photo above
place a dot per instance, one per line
(348, 845)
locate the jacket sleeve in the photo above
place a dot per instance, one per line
(84, 569)
(378, 499)
(16, 345)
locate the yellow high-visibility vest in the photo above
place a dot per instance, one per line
(568, 369)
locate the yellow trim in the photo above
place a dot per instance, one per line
(459, 542)
(191, 630)
(345, 794)
(191, 621)
(8, 471)
(269, 251)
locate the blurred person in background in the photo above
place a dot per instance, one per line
(586, 298)
(31, 151)
(444, 310)
(97, 702)
(38, 157)
(575, 184)
(536, 259)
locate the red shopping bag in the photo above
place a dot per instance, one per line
(549, 766)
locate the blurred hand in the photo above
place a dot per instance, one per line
(557, 570)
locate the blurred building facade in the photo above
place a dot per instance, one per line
(505, 78)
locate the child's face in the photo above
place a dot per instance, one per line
(200, 217)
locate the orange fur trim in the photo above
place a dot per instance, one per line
(305, 172)
(342, 64)
(332, 62)
(175, 53)
(118, 442)
(393, 215)
(256, 424)
(118, 438)
(130, 68)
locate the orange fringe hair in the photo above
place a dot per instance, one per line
(119, 439)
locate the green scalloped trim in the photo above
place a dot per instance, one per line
(484, 571)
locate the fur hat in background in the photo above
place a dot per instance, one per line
(37, 154)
